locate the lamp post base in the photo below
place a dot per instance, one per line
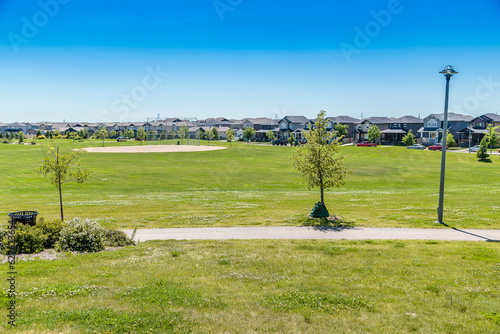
(438, 222)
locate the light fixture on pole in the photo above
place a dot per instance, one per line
(448, 73)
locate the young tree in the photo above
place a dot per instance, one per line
(130, 133)
(374, 133)
(209, 135)
(215, 132)
(102, 133)
(171, 134)
(492, 136)
(270, 136)
(112, 134)
(56, 133)
(483, 149)
(318, 160)
(163, 135)
(291, 139)
(409, 139)
(450, 141)
(20, 135)
(183, 131)
(230, 136)
(248, 133)
(63, 168)
(141, 134)
(340, 131)
(38, 133)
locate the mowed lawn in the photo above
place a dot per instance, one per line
(251, 287)
(254, 185)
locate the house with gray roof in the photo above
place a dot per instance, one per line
(399, 128)
(362, 127)
(432, 130)
(477, 128)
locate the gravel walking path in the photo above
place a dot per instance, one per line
(294, 232)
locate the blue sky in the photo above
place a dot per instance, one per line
(79, 60)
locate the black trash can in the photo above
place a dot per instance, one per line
(24, 217)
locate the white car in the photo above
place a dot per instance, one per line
(474, 148)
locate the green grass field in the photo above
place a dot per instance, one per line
(250, 287)
(254, 185)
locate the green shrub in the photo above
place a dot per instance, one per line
(116, 238)
(41, 137)
(52, 228)
(81, 235)
(33, 142)
(28, 239)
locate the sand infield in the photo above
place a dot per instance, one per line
(152, 149)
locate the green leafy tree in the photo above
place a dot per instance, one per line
(374, 133)
(209, 135)
(215, 132)
(56, 133)
(130, 133)
(141, 134)
(340, 131)
(20, 135)
(102, 133)
(163, 135)
(63, 168)
(48, 134)
(183, 131)
(318, 159)
(450, 140)
(492, 136)
(270, 135)
(113, 134)
(230, 135)
(483, 149)
(409, 139)
(171, 134)
(248, 133)
(38, 133)
(291, 139)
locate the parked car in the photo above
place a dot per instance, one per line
(474, 148)
(280, 142)
(416, 147)
(366, 143)
(437, 147)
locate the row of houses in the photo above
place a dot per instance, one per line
(428, 130)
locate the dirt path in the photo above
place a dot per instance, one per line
(153, 149)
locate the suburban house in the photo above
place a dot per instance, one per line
(216, 122)
(271, 125)
(255, 123)
(27, 128)
(345, 120)
(399, 127)
(364, 125)
(292, 124)
(477, 128)
(432, 130)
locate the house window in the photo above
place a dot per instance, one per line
(432, 123)
(367, 126)
(283, 125)
(479, 124)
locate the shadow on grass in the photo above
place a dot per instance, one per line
(476, 235)
(488, 161)
(332, 223)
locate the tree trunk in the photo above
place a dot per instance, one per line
(59, 185)
(322, 197)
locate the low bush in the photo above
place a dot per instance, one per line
(41, 137)
(52, 228)
(116, 238)
(81, 235)
(28, 239)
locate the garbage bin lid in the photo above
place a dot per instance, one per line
(23, 213)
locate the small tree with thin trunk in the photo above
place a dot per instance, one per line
(141, 134)
(63, 168)
(102, 133)
(215, 132)
(209, 135)
(374, 133)
(318, 159)
(340, 131)
(230, 136)
(183, 131)
(492, 136)
(248, 133)
(409, 139)
(270, 136)
(20, 135)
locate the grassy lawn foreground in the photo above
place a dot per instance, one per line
(250, 286)
(254, 185)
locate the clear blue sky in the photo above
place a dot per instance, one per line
(92, 60)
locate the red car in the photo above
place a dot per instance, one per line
(366, 143)
(437, 147)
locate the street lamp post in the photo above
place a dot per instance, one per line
(448, 73)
